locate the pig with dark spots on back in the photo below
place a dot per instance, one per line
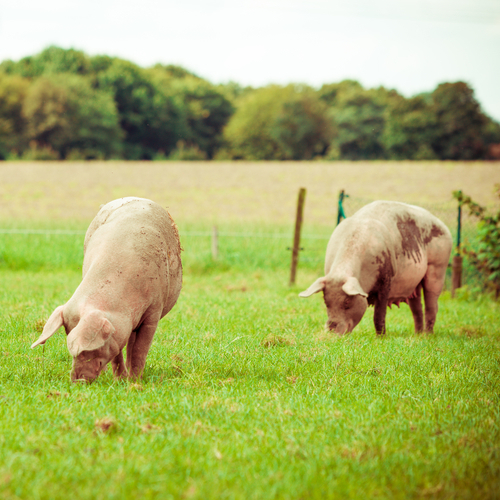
(132, 277)
(386, 253)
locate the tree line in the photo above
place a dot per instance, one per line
(64, 104)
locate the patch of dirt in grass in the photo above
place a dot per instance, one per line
(38, 325)
(150, 428)
(210, 403)
(472, 331)
(276, 341)
(135, 387)
(227, 381)
(52, 394)
(106, 425)
(236, 288)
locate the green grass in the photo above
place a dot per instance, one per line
(244, 394)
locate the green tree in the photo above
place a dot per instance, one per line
(172, 71)
(233, 91)
(460, 123)
(13, 90)
(248, 132)
(206, 110)
(50, 61)
(133, 93)
(491, 132)
(278, 123)
(359, 117)
(65, 113)
(330, 91)
(302, 128)
(194, 110)
(99, 64)
(157, 107)
(410, 129)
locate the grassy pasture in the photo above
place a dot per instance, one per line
(244, 394)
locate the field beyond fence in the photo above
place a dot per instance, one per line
(207, 193)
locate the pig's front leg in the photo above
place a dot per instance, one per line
(119, 368)
(130, 349)
(381, 310)
(136, 355)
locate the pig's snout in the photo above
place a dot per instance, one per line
(340, 327)
(79, 378)
(87, 371)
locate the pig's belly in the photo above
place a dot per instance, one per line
(407, 278)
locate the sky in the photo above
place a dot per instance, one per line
(407, 45)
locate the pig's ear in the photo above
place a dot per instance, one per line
(352, 287)
(53, 324)
(83, 338)
(316, 287)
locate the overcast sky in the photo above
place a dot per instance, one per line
(408, 45)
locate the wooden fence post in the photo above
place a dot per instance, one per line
(296, 238)
(215, 243)
(456, 274)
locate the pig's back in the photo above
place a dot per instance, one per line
(415, 237)
(395, 214)
(138, 235)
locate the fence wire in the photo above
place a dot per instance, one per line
(314, 244)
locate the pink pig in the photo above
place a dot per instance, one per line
(386, 253)
(132, 277)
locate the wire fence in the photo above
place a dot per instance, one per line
(231, 234)
(235, 245)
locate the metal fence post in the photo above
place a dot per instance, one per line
(340, 212)
(456, 274)
(296, 238)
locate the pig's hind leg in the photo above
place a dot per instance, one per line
(433, 285)
(415, 303)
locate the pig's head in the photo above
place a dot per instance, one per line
(93, 345)
(91, 342)
(345, 300)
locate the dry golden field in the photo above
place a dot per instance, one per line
(231, 192)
